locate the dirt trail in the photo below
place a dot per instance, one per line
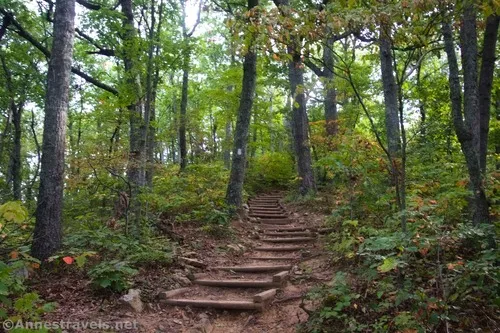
(284, 250)
(280, 246)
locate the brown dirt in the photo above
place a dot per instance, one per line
(77, 301)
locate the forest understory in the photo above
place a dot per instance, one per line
(283, 165)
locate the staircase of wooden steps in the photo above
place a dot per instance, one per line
(264, 269)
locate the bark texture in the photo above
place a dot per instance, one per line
(300, 123)
(463, 122)
(235, 187)
(331, 114)
(300, 130)
(48, 228)
(485, 85)
(390, 92)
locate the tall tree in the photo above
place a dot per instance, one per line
(237, 175)
(390, 91)
(48, 228)
(299, 112)
(466, 117)
(186, 59)
(485, 84)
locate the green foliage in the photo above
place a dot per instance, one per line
(269, 171)
(16, 302)
(112, 275)
(195, 195)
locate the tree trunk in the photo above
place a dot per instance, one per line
(16, 150)
(485, 85)
(299, 113)
(6, 132)
(390, 93)
(227, 144)
(15, 111)
(331, 115)
(235, 187)
(300, 122)
(152, 80)
(48, 227)
(182, 118)
(137, 146)
(464, 130)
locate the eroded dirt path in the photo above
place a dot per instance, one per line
(278, 240)
(279, 244)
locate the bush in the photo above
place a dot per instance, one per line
(112, 275)
(270, 171)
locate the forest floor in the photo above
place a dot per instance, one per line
(77, 302)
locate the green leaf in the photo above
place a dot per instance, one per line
(388, 265)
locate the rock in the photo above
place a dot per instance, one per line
(133, 299)
(181, 279)
(235, 249)
(204, 324)
(306, 214)
(245, 206)
(193, 262)
(189, 254)
(254, 235)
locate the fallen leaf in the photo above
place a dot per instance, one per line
(14, 255)
(68, 260)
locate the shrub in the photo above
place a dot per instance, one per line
(270, 171)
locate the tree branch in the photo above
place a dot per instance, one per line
(198, 19)
(89, 5)
(312, 66)
(26, 35)
(3, 28)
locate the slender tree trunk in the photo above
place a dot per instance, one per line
(15, 111)
(183, 113)
(390, 92)
(464, 130)
(227, 144)
(16, 151)
(485, 85)
(331, 115)
(137, 146)
(300, 122)
(5, 133)
(186, 53)
(235, 187)
(152, 80)
(422, 103)
(48, 227)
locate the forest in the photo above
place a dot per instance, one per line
(144, 143)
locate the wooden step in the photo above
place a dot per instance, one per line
(273, 258)
(265, 228)
(265, 205)
(273, 212)
(268, 215)
(267, 209)
(275, 221)
(254, 269)
(265, 200)
(208, 303)
(288, 240)
(292, 233)
(278, 248)
(234, 283)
